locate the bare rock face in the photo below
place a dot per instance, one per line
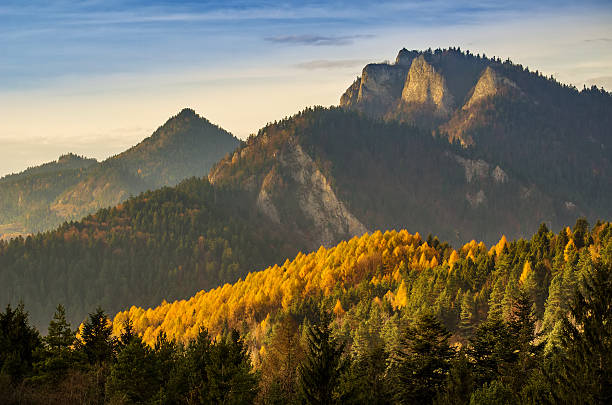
(316, 199)
(490, 84)
(476, 199)
(349, 98)
(479, 170)
(379, 89)
(264, 201)
(499, 175)
(424, 86)
(293, 192)
(474, 169)
(410, 90)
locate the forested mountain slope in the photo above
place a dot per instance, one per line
(387, 318)
(332, 173)
(25, 197)
(551, 135)
(378, 282)
(166, 244)
(44, 197)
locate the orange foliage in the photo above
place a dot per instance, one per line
(371, 258)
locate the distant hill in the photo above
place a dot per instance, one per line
(25, 198)
(43, 197)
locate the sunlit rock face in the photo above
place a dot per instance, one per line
(424, 86)
(489, 85)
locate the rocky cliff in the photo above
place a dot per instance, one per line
(290, 190)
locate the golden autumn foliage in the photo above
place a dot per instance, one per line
(569, 249)
(526, 272)
(454, 256)
(401, 298)
(400, 270)
(338, 310)
(499, 248)
(374, 258)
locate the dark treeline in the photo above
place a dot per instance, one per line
(504, 360)
(165, 244)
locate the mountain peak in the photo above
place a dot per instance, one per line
(490, 84)
(405, 57)
(187, 112)
(72, 157)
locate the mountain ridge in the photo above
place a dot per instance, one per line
(185, 145)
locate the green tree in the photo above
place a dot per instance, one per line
(367, 382)
(18, 343)
(231, 379)
(491, 350)
(134, 376)
(59, 355)
(460, 382)
(97, 341)
(323, 368)
(422, 361)
(127, 334)
(584, 372)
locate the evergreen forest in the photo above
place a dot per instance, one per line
(383, 318)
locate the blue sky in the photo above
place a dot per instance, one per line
(95, 77)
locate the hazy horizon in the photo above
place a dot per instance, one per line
(98, 77)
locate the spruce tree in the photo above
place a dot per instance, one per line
(59, 355)
(422, 362)
(584, 372)
(134, 376)
(59, 336)
(18, 343)
(231, 379)
(491, 350)
(324, 367)
(128, 334)
(97, 341)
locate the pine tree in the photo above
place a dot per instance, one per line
(367, 381)
(127, 334)
(134, 376)
(18, 343)
(491, 350)
(521, 328)
(460, 382)
(59, 355)
(59, 336)
(97, 341)
(495, 300)
(466, 314)
(323, 368)
(584, 373)
(231, 379)
(422, 362)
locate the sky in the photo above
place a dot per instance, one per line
(95, 77)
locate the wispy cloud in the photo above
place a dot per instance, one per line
(602, 81)
(603, 39)
(331, 64)
(316, 40)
